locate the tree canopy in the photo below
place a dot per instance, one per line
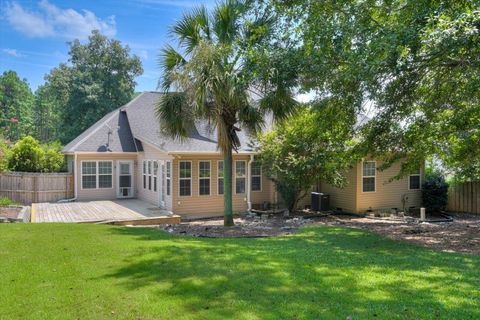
(296, 155)
(414, 64)
(100, 77)
(16, 103)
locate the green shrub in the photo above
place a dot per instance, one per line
(435, 192)
(7, 202)
(4, 149)
(53, 160)
(28, 155)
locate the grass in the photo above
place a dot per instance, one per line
(79, 271)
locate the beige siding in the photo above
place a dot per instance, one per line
(151, 153)
(343, 198)
(267, 192)
(101, 194)
(212, 205)
(387, 194)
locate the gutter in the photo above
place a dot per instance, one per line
(208, 153)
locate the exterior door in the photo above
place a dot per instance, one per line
(125, 179)
(161, 185)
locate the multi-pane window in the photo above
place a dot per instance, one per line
(185, 178)
(97, 174)
(168, 177)
(414, 180)
(256, 176)
(368, 176)
(144, 174)
(155, 175)
(89, 174)
(204, 178)
(220, 176)
(105, 174)
(240, 176)
(149, 171)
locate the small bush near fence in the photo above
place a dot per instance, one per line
(4, 201)
(435, 192)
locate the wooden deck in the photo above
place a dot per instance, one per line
(129, 211)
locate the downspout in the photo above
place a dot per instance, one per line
(75, 177)
(249, 188)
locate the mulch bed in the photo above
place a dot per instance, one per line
(461, 235)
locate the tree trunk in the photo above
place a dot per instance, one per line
(227, 189)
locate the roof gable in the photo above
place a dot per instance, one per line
(122, 129)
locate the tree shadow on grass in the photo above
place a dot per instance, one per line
(321, 272)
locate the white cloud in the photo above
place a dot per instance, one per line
(13, 52)
(50, 21)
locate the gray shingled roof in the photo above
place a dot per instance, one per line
(138, 120)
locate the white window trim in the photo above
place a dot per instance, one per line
(245, 177)
(419, 175)
(168, 180)
(150, 175)
(191, 178)
(96, 174)
(209, 177)
(155, 176)
(144, 175)
(218, 178)
(261, 179)
(374, 176)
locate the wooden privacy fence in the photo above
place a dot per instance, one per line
(29, 187)
(464, 197)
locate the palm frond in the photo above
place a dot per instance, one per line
(251, 118)
(169, 61)
(225, 20)
(203, 20)
(174, 115)
(280, 102)
(169, 58)
(188, 30)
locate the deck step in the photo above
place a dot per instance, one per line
(173, 219)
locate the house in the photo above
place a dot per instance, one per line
(125, 155)
(372, 189)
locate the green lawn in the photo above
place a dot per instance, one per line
(53, 271)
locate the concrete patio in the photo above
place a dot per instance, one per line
(127, 211)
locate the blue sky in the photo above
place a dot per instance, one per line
(34, 34)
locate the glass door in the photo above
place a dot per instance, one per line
(161, 185)
(125, 179)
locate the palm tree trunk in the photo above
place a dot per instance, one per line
(227, 189)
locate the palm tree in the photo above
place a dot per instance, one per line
(213, 77)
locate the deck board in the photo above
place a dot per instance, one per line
(98, 211)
